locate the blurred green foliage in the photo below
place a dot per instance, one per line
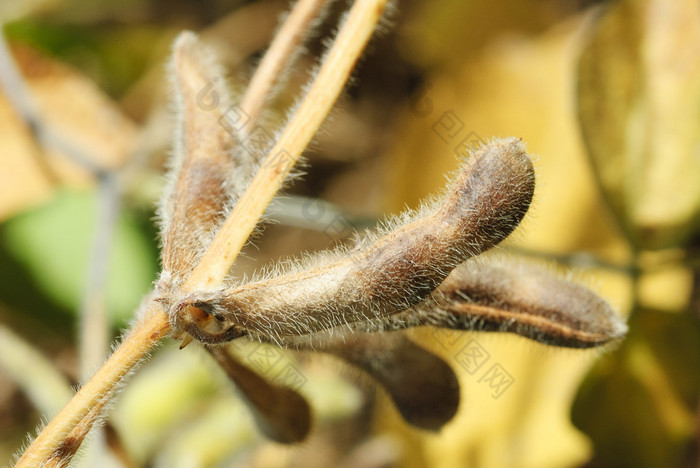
(58, 262)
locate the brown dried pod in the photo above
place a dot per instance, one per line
(382, 275)
(516, 296)
(206, 176)
(423, 387)
(281, 413)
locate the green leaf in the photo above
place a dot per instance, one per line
(54, 243)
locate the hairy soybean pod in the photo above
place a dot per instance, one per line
(281, 413)
(424, 388)
(395, 271)
(525, 299)
(506, 295)
(204, 177)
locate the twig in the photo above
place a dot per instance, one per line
(94, 339)
(278, 55)
(315, 214)
(94, 323)
(135, 346)
(46, 387)
(347, 47)
(337, 65)
(63, 455)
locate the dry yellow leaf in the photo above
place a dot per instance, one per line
(10, 11)
(639, 107)
(75, 108)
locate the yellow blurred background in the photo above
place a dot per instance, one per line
(606, 95)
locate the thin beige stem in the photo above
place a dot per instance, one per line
(337, 65)
(94, 323)
(46, 386)
(142, 338)
(347, 47)
(62, 456)
(277, 56)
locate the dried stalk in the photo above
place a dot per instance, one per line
(280, 53)
(93, 334)
(337, 65)
(65, 452)
(140, 341)
(94, 340)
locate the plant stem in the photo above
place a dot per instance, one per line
(277, 56)
(94, 323)
(45, 386)
(337, 65)
(335, 70)
(139, 341)
(62, 456)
